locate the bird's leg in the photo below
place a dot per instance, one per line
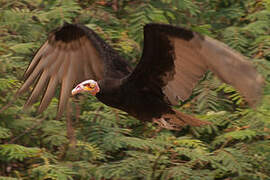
(164, 124)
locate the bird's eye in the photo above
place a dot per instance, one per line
(89, 85)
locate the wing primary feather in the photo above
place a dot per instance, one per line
(55, 63)
(41, 52)
(29, 81)
(49, 93)
(67, 84)
(64, 66)
(231, 67)
(44, 62)
(53, 82)
(39, 87)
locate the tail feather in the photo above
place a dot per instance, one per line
(180, 120)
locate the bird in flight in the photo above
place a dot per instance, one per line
(172, 62)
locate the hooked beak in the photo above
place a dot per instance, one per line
(76, 90)
(86, 87)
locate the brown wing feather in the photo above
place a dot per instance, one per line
(233, 68)
(39, 87)
(67, 82)
(189, 67)
(175, 59)
(193, 58)
(71, 54)
(49, 93)
(45, 49)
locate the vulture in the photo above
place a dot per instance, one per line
(173, 60)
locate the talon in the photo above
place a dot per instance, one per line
(161, 122)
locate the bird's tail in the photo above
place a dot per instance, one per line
(178, 120)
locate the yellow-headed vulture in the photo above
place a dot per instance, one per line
(173, 61)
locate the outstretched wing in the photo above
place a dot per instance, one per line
(71, 54)
(175, 59)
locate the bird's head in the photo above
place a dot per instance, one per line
(90, 86)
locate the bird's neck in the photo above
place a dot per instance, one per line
(111, 93)
(109, 85)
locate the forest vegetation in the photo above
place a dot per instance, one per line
(97, 142)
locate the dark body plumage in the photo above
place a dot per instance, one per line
(144, 104)
(173, 61)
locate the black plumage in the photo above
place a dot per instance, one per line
(173, 61)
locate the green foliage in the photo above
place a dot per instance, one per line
(52, 172)
(4, 133)
(109, 144)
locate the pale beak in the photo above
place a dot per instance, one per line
(76, 90)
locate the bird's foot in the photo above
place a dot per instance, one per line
(162, 123)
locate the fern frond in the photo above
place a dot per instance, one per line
(18, 152)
